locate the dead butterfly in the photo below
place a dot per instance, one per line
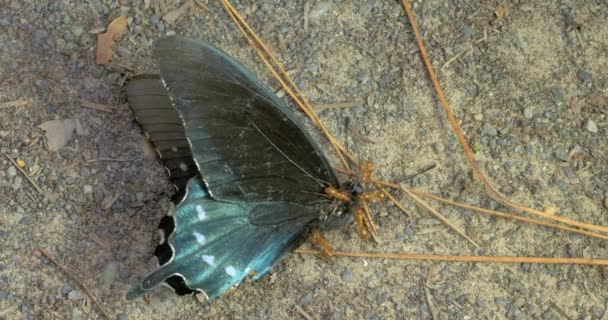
(251, 180)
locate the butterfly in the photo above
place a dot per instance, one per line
(250, 178)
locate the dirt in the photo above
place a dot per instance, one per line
(527, 82)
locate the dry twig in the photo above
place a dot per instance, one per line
(80, 283)
(470, 259)
(15, 103)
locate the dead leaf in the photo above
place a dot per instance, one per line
(172, 16)
(105, 41)
(500, 11)
(118, 27)
(599, 101)
(104, 48)
(58, 132)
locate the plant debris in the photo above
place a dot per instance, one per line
(58, 132)
(105, 41)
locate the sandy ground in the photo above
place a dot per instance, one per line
(528, 84)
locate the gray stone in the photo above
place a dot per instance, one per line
(489, 130)
(562, 154)
(591, 126)
(75, 295)
(17, 183)
(528, 113)
(583, 75)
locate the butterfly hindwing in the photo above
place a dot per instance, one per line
(216, 244)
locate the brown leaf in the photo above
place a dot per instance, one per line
(105, 41)
(104, 48)
(118, 27)
(499, 11)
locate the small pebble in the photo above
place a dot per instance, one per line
(591, 126)
(88, 188)
(66, 289)
(528, 113)
(562, 154)
(558, 94)
(17, 183)
(108, 274)
(597, 311)
(11, 171)
(307, 298)
(478, 117)
(583, 75)
(346, 275)
(489, 130)
(75, 295)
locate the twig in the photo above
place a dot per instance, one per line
(447, 63)
(423, 171)
(303, 313)
(203, 6)
(15, 103)
(439, 216)
(49, 195)
(465, 146)
(75, 279)
(108, 159)
(306, 13)
(429, 300)
(97, 106)
(370, 222)
(471, 259)
(509, 216)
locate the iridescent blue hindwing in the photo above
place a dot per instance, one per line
(216, 244)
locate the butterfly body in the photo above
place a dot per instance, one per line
(250, 178)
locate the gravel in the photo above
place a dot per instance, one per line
(513, 82)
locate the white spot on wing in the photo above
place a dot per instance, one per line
(231, 271)
(183, 166)
(201, 212)
(199, 238)
(209, 259)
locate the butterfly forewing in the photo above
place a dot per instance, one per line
(247, 143)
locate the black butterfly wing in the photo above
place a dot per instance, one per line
(261, 174)
(152, 109)
(247, 143)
